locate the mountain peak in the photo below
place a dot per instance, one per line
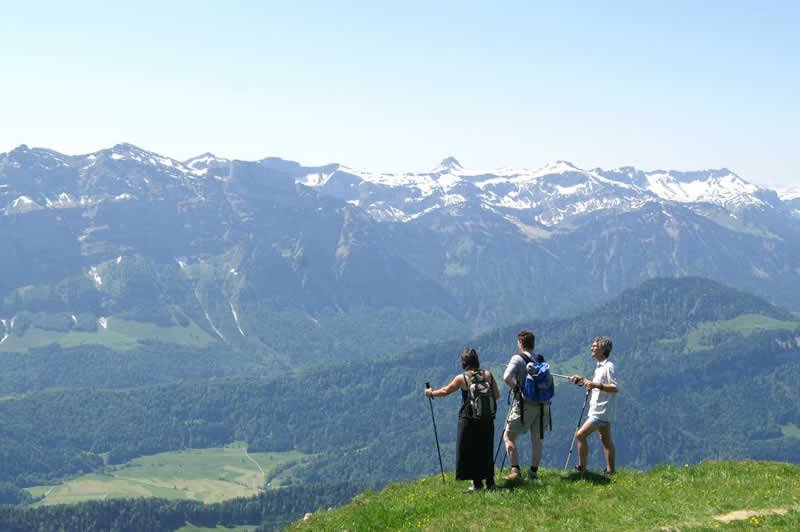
(559, 167)
(448, 164)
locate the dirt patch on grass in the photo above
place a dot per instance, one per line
(742, 515)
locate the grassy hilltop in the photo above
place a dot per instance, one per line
(711, 495)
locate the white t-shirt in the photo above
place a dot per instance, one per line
(515, 372)
(603, 405)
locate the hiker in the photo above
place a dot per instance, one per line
(525, 414)
(475, 436)
(602, 406)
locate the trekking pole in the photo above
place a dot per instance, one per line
(436, 434)
(562, 376)
(585, 400)
(497, 453)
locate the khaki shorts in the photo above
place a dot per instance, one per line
(532, 412)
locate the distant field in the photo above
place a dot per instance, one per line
(208, 475)
(746, 324)
(791, 430)
(120, 335)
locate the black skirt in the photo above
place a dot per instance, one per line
(474, 447)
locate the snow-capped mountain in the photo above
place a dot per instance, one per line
(239, 249)
(549, 195)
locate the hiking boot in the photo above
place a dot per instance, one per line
(608, 473)
(514, 475)
(532, 475)
(579, 469)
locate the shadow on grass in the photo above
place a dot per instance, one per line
(594, 478)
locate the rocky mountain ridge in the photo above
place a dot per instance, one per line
(260, 254)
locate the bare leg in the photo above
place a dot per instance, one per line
(536, 448)
(583, 445)
(608, 448)
(511, 448)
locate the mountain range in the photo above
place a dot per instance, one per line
(299, 262)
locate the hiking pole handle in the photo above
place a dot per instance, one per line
(563, 377)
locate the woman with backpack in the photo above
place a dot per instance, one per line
(475, 437)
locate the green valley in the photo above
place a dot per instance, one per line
(207, 475)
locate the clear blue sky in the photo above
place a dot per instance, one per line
(398, 86)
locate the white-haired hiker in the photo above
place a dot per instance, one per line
(602, 406)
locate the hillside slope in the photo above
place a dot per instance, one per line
(691, 497)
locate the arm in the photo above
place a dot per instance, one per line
(454, 385)
(495, 391)
(608, 388)
(508, 376)
(609, 381)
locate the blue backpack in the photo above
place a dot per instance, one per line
(538, 381)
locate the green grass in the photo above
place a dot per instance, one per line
(746, 324)
(120, 335)
(208, 475)
(665, 498)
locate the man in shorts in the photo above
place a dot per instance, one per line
(525, 414)
(602, 405)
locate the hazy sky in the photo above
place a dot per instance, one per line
(398, 86)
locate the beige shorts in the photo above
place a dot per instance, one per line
(533, 411)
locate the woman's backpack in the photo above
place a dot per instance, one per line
(481, 403)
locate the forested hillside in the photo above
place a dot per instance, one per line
(723, 361)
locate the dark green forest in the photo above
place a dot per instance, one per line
(271, 510)
(687, 393)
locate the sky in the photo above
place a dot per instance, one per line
(399, 86)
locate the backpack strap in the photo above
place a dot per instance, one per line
(541, 421)
(470, 413)
(521, 397)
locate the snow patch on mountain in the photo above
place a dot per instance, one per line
(236, 318)
(200, 165)
(63, 201)
(21, 205)
(725, 190)
(789, 193)
(95, 276)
